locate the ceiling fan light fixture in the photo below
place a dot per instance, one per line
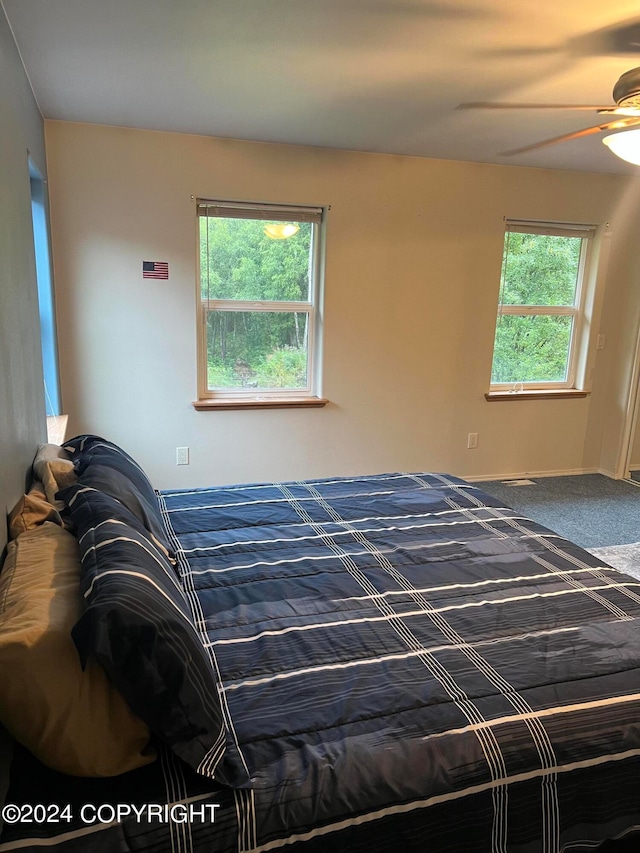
(626, 92)
(625, 144)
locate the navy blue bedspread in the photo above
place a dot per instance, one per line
(403, 664)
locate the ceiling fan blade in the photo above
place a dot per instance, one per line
(492, 105)
(618, 124)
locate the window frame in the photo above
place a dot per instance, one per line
(46, 294)
(312, 308)
(576, 311)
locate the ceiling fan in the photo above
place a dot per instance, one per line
(626, 111)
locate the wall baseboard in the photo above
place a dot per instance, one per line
(524, 475)
(610, 474)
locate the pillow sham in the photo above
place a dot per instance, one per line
(142, 503)
(71, 719)
(32, 510)
(53, 467)
(105, 466)
(138, 626)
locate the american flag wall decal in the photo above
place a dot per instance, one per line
(155, 269)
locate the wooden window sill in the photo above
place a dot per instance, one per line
(260, 403)
(547, 394)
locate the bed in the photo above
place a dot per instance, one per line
(390, 662)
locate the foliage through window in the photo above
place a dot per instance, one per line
(258, 299)
(540, 306)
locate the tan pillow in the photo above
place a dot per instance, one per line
(32, 510)
(53, 466)
(74, 721)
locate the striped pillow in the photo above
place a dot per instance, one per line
(138, 625)
(105, 466)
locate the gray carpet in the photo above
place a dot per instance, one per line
(592, 510)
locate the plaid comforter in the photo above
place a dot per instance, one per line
(402, 664)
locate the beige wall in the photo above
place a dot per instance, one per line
(22, 414)
(412, 273)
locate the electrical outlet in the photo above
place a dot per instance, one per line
(182, 455)
(472, 440)
(600, 342)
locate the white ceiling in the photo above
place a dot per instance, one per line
(369, 75)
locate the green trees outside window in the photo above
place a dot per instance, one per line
(257, 292)
(539, 307)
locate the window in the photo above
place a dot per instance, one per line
(259, 324)
(45, 293)
(541, 306)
